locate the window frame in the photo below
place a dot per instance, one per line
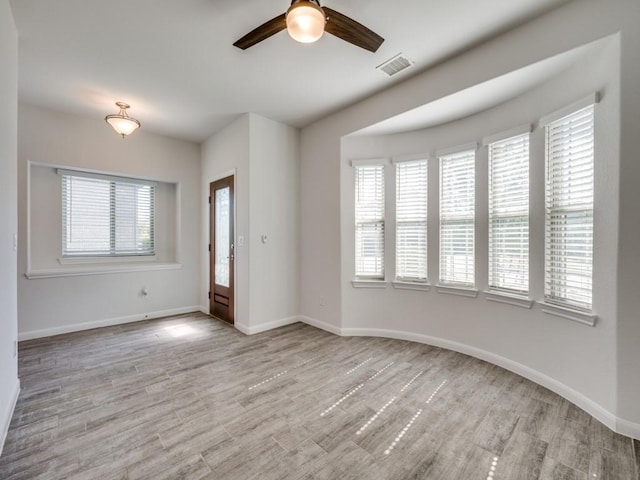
(361, 277)
(400, 164)
(468, 218)
(71, 256)
(494, 215)
(552, 298)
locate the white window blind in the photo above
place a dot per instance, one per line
(411, 221)
(457, 216)
(105, 216)
(569, 209)
(509, 214)
(369, 221)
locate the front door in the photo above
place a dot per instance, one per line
(221, 295)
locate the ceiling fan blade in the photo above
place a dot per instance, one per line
(351, 31)
(263, 32)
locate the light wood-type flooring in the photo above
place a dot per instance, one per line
(191, 398)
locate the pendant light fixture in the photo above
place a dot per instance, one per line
(122, 123)
(305, 21)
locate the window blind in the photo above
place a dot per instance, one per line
(457, 215)
(102, 216)
(411, 221)
(569, 209)
(509, 214)
(369, 221)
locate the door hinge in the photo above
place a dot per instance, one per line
(209, 200)
(209, 294)
(209, 247)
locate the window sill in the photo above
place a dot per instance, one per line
(585, 318)
(461, 291)
(69, 271)
(509, 299)
(425, 287)
(368, 284)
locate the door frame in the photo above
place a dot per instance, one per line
(215, 178)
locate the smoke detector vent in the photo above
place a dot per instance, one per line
(395, 65)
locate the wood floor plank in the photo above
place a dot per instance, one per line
(102, 472)
(522, 458)
(541, 419)
(102, 460)
(188, 397)
(473, 464)
(609, 465)
(570, 446)
(166, 467)
(295, 464)
(603, 437)
(495, 430)
(242, 459)
(554, 470)
(348, 460)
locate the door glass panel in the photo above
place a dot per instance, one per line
(222, 212)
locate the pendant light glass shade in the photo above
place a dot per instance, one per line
(305, 21)
(122, 123)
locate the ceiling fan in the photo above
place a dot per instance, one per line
(306, 21)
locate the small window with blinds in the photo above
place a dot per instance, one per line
(411, 221)
(369, 222)
(457, 217)
(509, 215)
(105, 216)
(569, 210)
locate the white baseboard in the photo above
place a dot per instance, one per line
(243, 328)
(321, 325)
(630, 429)
(107, 322)
(616, 424)
(8, 413)
(263, 327)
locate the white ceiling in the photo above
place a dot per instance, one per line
(173, 60)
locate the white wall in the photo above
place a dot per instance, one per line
(223, 154)
(628, 354)
(320, 254)
(263, 154)
(9, 385)
(59, 304)
(617, 402)
(274, 212)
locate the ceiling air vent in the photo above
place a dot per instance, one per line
(395, 65)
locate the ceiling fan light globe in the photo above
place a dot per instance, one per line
(305, 21)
